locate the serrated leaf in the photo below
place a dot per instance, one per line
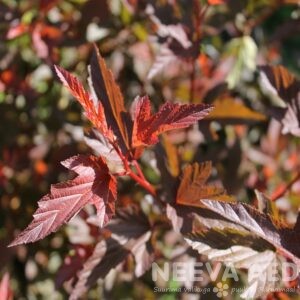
(107, 255)
(233, 112)
(239, 235)
(193, 186)
(222, 225)
(259, 265)
(93, 185)
(109, 94)
(94, 111)
(147, 126)
(284, 239)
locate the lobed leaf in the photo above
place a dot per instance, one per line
(147, 126)
(93, 185)
(193, 187)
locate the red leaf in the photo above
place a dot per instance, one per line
(5, 290)
(108, 92)
(93, 185)
(147, 126)
(94, 112)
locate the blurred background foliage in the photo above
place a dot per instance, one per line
(206, 59)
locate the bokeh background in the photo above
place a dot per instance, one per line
(208, 58)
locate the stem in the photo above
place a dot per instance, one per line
(137, 166)
(286, 188)
(192, 81)
(144, 183)
(139, 178)
(199, 15)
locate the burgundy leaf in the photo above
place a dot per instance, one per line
(93, 185)
(284, 239)
(130, 233)
(72, 264)
(108, 93)
(170, 116)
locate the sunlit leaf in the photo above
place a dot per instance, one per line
(170, 116)
(93, 185)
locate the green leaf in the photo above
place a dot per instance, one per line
(244, 51)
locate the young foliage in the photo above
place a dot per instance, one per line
(95, 184)
(147, 126)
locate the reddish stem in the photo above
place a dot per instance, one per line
(139, 178)
(137, 166)
(192, 81)
(144, 183)
(286, 188)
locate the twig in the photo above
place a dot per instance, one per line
(286, 188)
(139, 178)
(192, 81)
